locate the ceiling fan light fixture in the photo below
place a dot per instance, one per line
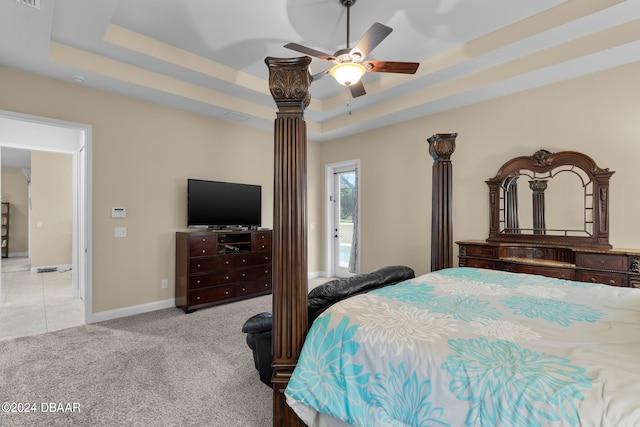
(348, 73)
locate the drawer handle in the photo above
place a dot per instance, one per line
(227, 262)
(226, 293)
(612, 282)
(593, 280)
(266, 285)
(204, 251)
(243, 289)
(266, 271)
(204, 240)
(198, 265)
(197, 297)
(262, 246)
(244, 260)
(197, 281)
(244, 275)
(267, 258)
(262, 236)
(562, 277)
(226, 277)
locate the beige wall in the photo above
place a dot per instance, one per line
(143, 154)
(596, 114)
(315, 207)
(15, 191)
(51, 209)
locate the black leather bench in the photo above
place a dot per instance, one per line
(258, 327)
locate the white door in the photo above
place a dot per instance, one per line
(344, 213)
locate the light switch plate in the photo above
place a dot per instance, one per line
(118, 212)
(121, 232)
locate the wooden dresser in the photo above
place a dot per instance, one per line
(549, 215)
(214, 267)
(616, 267)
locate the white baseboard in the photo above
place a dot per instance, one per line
(131, 310)
(18, 254)
(152, 306)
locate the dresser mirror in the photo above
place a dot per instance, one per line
(556, 198)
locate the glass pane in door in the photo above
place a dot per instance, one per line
(346, 207)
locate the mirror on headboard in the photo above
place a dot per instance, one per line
(554, 198)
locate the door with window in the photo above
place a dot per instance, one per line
(344, 212)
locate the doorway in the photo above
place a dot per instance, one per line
(45, 134)
(343, 218)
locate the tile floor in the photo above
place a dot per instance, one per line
(35, 303)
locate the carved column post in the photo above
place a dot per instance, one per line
(511, 205)
(537, 187)
(601, 195)
(289, 81)
(441, 147)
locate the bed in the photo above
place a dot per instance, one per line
(474, 347)
(467, 346)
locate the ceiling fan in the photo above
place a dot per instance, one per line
(349, 63)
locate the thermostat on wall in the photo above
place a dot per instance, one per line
(118, 212)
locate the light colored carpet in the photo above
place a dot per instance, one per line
(164, 368)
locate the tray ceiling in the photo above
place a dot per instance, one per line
(208, 57)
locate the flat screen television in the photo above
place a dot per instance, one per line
(221, 205)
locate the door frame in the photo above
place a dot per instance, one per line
(330, 170)
(38, 133)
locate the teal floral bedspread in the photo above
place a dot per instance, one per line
(474, 347)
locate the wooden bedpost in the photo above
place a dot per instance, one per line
(289, 81)
(441, 147)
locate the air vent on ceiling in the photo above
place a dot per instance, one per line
(33, 3)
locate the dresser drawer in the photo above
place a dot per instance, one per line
(250, 273)
(254, 287)
(207, 264)
(202, 244)
(207, 295)
(481, 251)
(602, 261)
(479, 263)
(555, 272)
(603, 277)
(229, 276)
(261, 242)
(211, 279)
(243, 260)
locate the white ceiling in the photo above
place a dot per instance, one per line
(208, 56)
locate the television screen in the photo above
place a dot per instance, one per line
(218, 204)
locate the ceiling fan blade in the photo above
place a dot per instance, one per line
(357, 89)
(308, 51)
(318, 76)
(391, 67)
(372, 38)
